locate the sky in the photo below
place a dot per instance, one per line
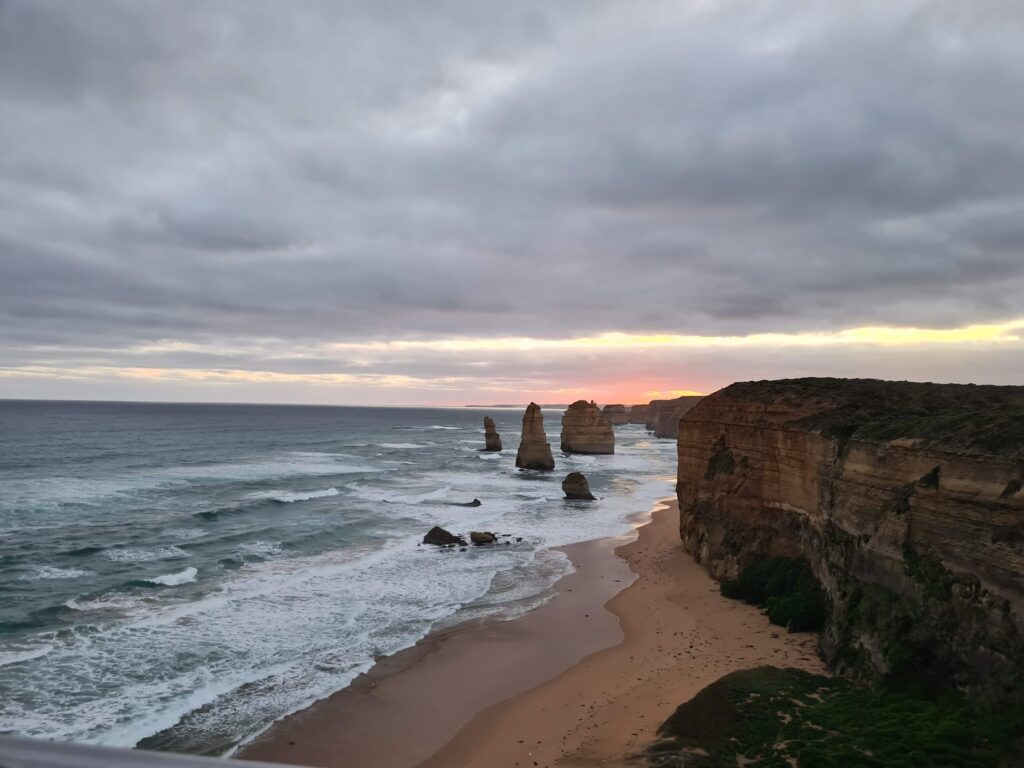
(468, 201)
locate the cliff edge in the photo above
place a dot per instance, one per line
(905, 499)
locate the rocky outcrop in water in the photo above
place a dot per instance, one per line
(653, 413)
(638, 414)
(439, 537)
(575, 486)
(671, 412)
(905, 499)
(492, 440)
(585, 429)
(616, 414)
(534, 450)
(482, 537)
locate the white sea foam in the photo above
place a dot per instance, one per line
(262, 548)
(145, 555)
(123, 603)
(51, 572)
(300, 626)
(186, 576)
(16, 656)
(290, 497)
(402, 446)
(187, 533)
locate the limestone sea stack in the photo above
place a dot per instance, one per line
(671, 412)
(492, 440)
(616, 414)
(653, 412)
(534, 450)
(585, 429)
(638, 414)
(575, 486)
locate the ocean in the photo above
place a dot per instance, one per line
(180, 576)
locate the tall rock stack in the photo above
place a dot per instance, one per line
(670, 414)
(534, 450)
(586, 430)
(654, 409)
(616, 414)
(638, 414)
(492, 440)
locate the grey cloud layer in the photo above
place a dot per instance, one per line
(226, 172)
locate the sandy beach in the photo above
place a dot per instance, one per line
(584, 680)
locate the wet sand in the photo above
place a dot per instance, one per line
(585, 680)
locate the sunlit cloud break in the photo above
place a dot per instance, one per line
(870, 335)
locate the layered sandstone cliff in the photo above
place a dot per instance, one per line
(616, 413)
(638, 414)
(906, 499)
(585, 429)
(534, 450)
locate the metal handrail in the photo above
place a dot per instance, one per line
(19, 752)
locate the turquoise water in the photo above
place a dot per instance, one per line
(180, 576)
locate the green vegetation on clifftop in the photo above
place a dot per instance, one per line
(954, 417)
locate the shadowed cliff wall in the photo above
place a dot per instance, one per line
(906, 499)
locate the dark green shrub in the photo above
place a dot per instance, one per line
(786, 587)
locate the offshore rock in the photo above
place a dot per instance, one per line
(482, 537)
(439, 537)
(638, 414)
(575, 486)
(585, 429)
(616, 414)
(671, 412)
(905, 499)
(492, 440)
(653, 412)
(534, 450)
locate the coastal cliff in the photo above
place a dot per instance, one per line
(905, 500)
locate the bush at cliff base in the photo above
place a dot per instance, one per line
(786, 588)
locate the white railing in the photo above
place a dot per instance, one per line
(18, 752)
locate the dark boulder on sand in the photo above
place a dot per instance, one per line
(482, 537)
(438, 536)
(575, 486)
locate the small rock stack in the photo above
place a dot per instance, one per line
(575, 486)
(492, 440)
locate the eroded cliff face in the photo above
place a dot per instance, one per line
(905, 499)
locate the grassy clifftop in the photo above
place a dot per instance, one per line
(955, 417)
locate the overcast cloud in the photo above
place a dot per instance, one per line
(239, 185)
